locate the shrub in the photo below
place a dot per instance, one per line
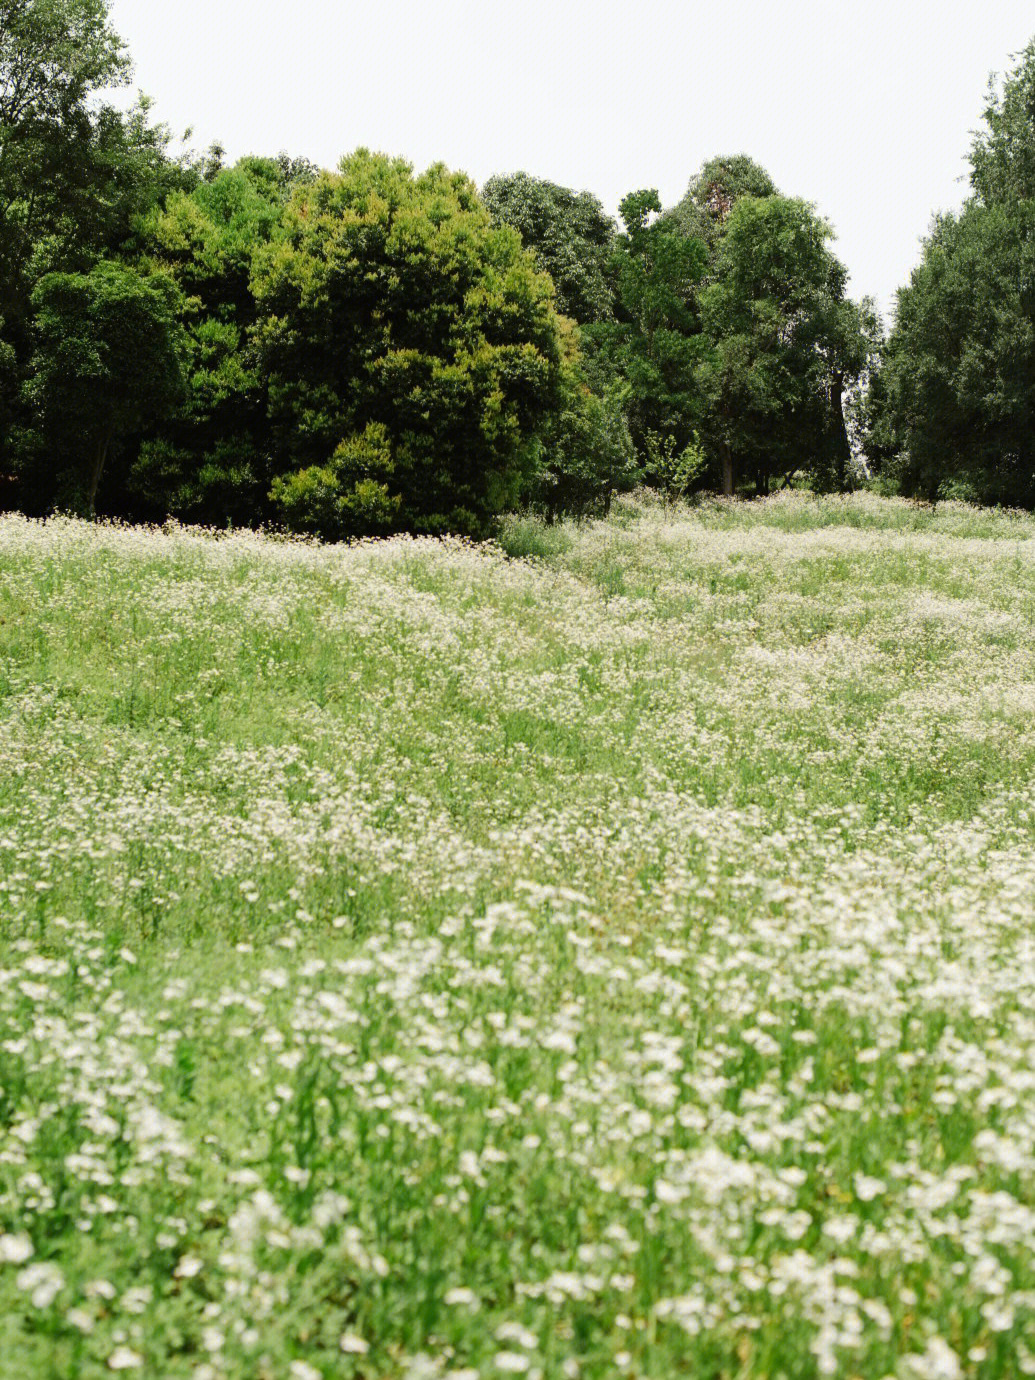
(346, 498)
(527, 535)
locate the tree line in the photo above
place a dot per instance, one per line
(369, 350)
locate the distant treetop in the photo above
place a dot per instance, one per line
(715, 190)
(1002, 157)
(569, 233)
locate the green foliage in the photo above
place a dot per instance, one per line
(714, 191)
(369, 350)
(349, 496)
(654, 345)
(958, 376)
(783, 340)
(675, 470)
(849, 338)
(391, 299)
(211, 462)
(568, 232)
(107, 363)
(588, 454)
(1002, 158)
(527, 536)
(73, 172)
(75, 175)
(54, 56)
(315, 500)
(952, 407)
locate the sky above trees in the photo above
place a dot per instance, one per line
(866, 110)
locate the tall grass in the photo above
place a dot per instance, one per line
(422, 962)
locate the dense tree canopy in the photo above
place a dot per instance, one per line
(1002, 158)
(570, 235)
(107, 361)
(782, 340)
(953, 406)
(653, 346)
(213, 458)
(371, 350)
(411, 348)
(54, 55)
(588, 451)
(957, 386)
(75, 176)
(714, 191)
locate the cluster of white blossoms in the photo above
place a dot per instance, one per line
(419, 963)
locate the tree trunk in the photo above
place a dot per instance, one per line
(96, 470)
(839, 433)
(727, 472)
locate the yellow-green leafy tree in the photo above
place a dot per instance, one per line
(411, 352)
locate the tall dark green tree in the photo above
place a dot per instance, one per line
(654, 345)
(952, 408)
(54, 56)
(75, 176)
(958, 375)
(1002, 157)
(107, 361)
(589, 453)
(783, 340)
(570, 235)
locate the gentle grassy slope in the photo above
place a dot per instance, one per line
(422, 963)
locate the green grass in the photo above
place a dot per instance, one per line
(614, 958)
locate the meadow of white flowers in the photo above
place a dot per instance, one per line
(417, 962)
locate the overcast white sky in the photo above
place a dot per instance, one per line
(865, 109)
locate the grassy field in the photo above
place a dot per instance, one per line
(417, 962)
